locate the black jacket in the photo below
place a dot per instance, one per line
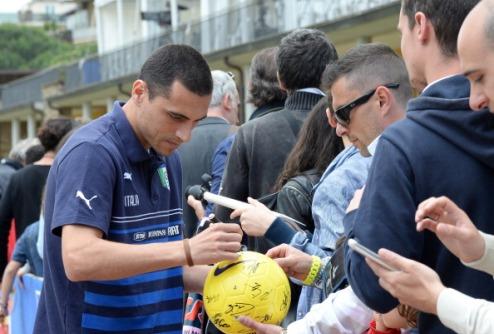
(295, 199)
(259, 152)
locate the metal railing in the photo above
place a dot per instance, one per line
(28, 90)
(261, 19)
(258, 20)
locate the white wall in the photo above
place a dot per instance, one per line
(119, 22)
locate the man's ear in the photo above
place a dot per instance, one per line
(424, 27)
(331, 120)
(280, 83)
(226, 102)
(384, 98)
(139, 90)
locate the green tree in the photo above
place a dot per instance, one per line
(32, 48)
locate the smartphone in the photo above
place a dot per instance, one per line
(364, 251)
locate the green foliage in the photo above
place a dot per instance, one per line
(32, 48)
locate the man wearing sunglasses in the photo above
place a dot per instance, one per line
(442, 148)
(352, 119)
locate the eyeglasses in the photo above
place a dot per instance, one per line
(342, 114)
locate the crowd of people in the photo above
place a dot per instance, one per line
(392, 151)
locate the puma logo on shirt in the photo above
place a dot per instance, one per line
(79, 194)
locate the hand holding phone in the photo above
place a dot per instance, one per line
(366, 252)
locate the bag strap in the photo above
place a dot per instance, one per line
(334, 274)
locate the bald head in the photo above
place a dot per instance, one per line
(476, 52)
(479, 21)
(485, 9)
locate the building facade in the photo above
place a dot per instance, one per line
(227, 33)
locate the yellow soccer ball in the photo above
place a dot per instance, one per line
(252, 285)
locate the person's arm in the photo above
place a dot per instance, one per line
(385, 219)
(417, 285)
(413, 283)
(486, 262)
(391, 322)
(194, 278)
(341, 312)
(259, 327)
(22, 253)
(464, 314)
(298, 265)
(7, 282)
(86, 256)
(279, 232)
(235, 179)
(255, 218)
(218, 163)
(197, 206)
(294, 262)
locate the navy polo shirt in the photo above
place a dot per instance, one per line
(104, 178)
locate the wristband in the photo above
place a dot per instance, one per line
(319, 280)
(314, 270)
(188, 257)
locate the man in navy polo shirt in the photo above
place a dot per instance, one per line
(114, 256)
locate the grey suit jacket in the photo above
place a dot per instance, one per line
(196, 158)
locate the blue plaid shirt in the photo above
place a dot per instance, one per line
(346, 173)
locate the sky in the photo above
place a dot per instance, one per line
(11, 6)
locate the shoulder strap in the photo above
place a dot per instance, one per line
(269, 200)
(312, 180)
(334, 273)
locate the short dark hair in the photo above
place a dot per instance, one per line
(446, 18)
(368, 65)
(302, 58)
(66, 137)
(264, 87)
(53, 131)
(176, 62)
(317, 145)
(34, 153)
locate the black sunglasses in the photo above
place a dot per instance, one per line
(342, 114)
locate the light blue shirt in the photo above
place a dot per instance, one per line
(346, 173)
